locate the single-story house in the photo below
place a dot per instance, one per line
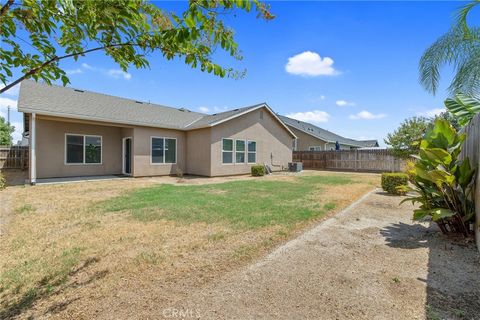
(75, 132)
(313, 138)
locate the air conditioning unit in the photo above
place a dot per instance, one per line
(295, 166)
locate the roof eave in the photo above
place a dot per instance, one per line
(96, 119)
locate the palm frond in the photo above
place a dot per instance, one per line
(453, 48)
(461, 16)
(467, 77)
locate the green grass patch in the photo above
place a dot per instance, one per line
(25, 209)
(243, 204)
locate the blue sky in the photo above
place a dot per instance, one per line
(349, 67)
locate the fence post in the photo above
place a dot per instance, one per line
(356, 159)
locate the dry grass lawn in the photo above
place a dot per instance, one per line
(86, 250)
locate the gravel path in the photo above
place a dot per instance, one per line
(368, 262)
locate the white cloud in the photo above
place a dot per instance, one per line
(342, 103)
(88, 67)
(310, 64)
(310, 116)
(13, 91)
(366, 115)
(5, 102)
(432, 112)
(117, 74)
(74, 71)
(204, 109)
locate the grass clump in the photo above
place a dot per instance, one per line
(25, 209)
(149, 257)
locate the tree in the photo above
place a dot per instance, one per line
(6, 131)
(37, 34)
(459, 47)
(404, 140)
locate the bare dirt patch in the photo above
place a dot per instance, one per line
(67, 260)
(370, 262)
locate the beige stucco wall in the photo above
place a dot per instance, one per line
(50, 149)
(142, 152)
(199, 152)
(305, 141)
(270, 135)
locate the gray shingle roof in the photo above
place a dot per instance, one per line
(326, 135)
(80, 104)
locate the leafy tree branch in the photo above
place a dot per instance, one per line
(128, 31)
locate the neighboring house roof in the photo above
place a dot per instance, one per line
(326, 135)
(67, 102)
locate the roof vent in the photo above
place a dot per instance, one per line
(236, 109)
(214, 114)
(139, 102)
(182, 109)
(78, 90)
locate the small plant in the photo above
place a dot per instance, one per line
(258, 170)
(395, 183)
(179, 173)
(3, 182)
(26, 208)
(396, 280)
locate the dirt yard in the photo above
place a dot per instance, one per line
(68, 258)
(65, 256)
(369, 262)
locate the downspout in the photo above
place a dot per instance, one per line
(33, 156)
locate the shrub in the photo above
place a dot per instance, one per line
(410, 169)
(258, 170)
(3, 183)
(443, 181)
(394, 183)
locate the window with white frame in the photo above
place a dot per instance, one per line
(227, 151)
(163, 150)
(316, 148)
(252, 151)
(240, 151)
(83, 149)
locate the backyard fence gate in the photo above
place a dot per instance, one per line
(13, 157)
(375, 160)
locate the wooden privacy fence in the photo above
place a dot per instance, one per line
(14, 157)
(375, 160)
(471, 149)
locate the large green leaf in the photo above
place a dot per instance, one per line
(463, 107)
(420, 214)
(436, 155)
(441, 213)
(464, 173)
(441, 135)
